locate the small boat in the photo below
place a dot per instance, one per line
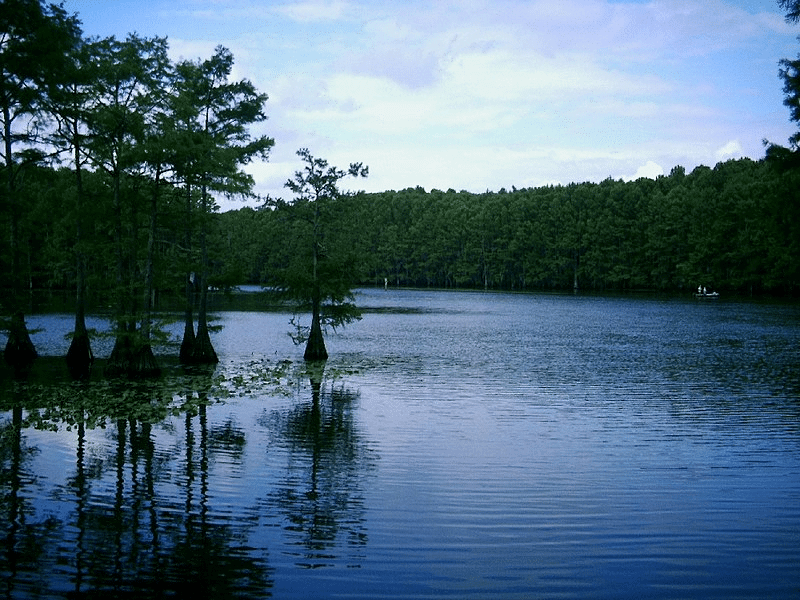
(706, 295)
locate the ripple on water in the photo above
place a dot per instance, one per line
(462, 446)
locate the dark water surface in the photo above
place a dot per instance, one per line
(463, 445)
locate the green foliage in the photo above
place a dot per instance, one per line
(209, 119)
(147, 144)
(312, 265)
(35, 39)
(781, 157)
(733, 227)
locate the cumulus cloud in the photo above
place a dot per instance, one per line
(650, 169)
(732, 149)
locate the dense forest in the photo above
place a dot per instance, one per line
(734, 227)
(113, 155)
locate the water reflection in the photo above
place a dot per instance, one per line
(130, 519)
(146, 489)
(321, 494)
(12, 454)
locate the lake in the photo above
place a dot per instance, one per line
(456, 445)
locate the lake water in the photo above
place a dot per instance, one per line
(458, 444)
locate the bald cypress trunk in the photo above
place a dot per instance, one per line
(144, 362)
(120, 360)
(19, 351)
(79, 355)
(189, 340)
(203, 352)
(315, 348)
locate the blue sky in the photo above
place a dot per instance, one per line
(483, 94)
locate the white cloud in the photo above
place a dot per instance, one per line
(651, 170)
(732, 149)
(190, 49)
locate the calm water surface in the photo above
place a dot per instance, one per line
(464, 445)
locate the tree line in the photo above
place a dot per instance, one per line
(733, 227)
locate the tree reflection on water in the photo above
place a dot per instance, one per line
(321, 495)
(124, 488)
(117, 528)
(130, 539)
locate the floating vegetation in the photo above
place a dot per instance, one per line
(52, 404)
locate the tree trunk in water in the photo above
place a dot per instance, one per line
(19, 351)
(203, 353)
(189, 340)
(121, 358)
(79, 355)
(122, 354)
(315, 348)
(144, 362)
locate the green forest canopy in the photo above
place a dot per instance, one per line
(733, 227)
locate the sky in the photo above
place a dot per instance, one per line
(481, 95)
